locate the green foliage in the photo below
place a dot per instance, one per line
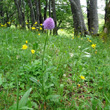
(76, 75)
(22, 102)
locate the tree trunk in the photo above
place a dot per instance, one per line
(107, 18)
(54, 16)
(45, 10)
(32, 14)
(41, 18)
(37, 11)
(92, 16)
(1, 12)
(49, 8)
(79, 25)
(21, 16)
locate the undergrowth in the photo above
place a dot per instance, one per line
(76, 73)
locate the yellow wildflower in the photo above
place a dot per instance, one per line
(41, 24)
(8, 23)
(33, 28)
(24, 46)
(2, 25)
(27, 23)
(78, 85)
(5, 25)
(73, 37)
(35, 23)
(82, 77)
(96, 52)
(93, 46)
(32, 51)
(26, 41)
(36, 29)
(40, 28)
(89, 40)
(39, 34)
(61, 29)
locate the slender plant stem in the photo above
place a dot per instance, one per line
(17, 93)
(44, 51)
(43, 68)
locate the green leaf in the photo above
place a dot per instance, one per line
(24, 99)
(26, 108)
(36, 81)
(54, 98)
(1, 79)
(50, 85)
(35, 45)
(45, 77)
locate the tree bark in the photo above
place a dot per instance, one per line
(54, 16)
(21, 16)
(79, 25)
(1, 12)
(37, 11)
(92, 16)
(106, 32)
(45, 10)
(41, 18)
(49, 8)
(32, 14)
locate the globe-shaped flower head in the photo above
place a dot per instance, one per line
(49, 23)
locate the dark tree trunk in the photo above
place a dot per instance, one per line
(92, 16)
(45, 10)
(1, 12)
(79, 25)
(49, 8)
(54, 16)
(107, 18)
(88, 13)
(21, 16)
(41, 18)
(37, 11)
(32, 14)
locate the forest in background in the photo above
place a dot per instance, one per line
(66, 14)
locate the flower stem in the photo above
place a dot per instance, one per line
(44, 51)
(43, 68)
(17, 93)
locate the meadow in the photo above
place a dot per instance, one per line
(75, 73)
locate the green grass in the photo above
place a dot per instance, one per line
(65, 60)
